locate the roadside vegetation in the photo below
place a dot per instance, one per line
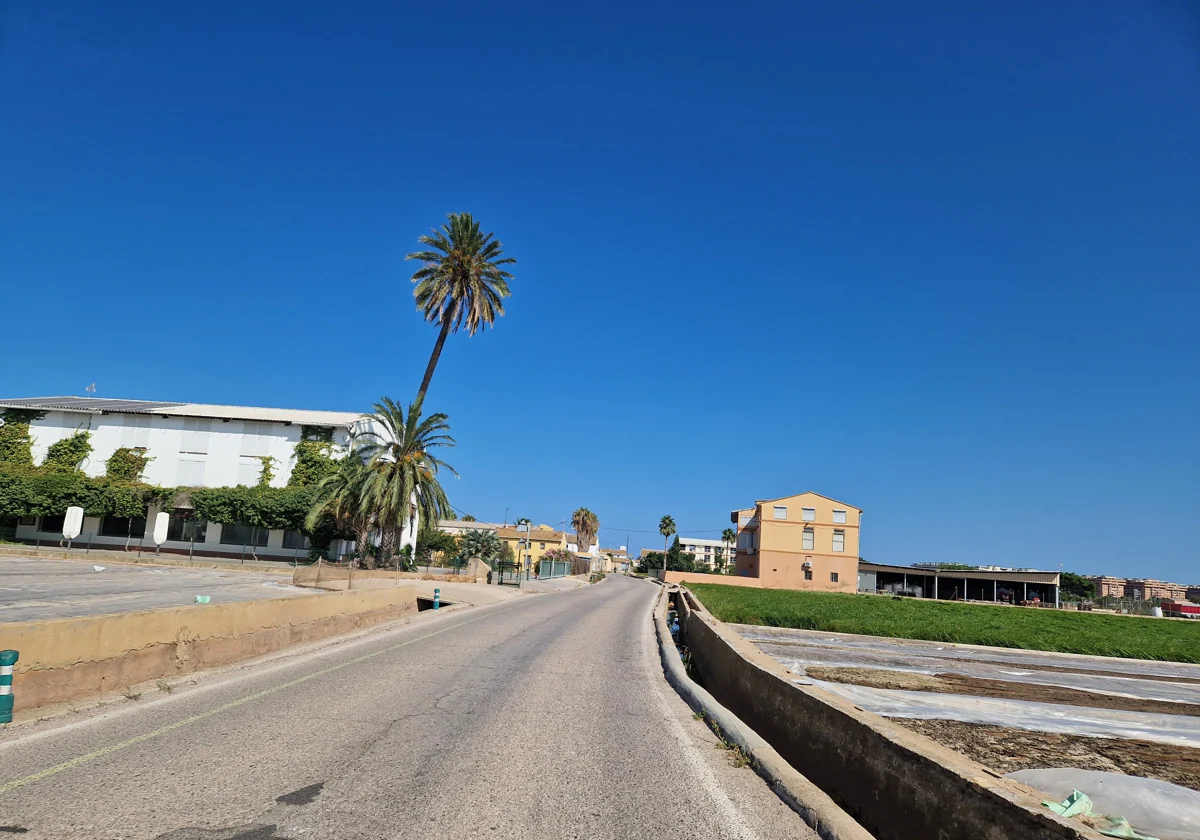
(943, 621)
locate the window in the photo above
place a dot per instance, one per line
(122, 526)
(53, 524)
(27, 521)
(808, 514)
(294, 539)
(839, 540)
(235, 533)
(833, 577)
(249, 470)
(839, 517)
(195, 436)
(256, 439)
(135, 431)
(809, 539)
(541, 545)
(190, 472)
(808, 574)
(184, 527)
(781, 511)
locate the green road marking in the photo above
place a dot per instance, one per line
(233, 704)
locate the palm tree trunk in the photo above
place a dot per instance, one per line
(433, 359)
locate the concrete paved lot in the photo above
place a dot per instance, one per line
(34, 589)
(540, 717)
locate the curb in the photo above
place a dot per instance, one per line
(813, 805)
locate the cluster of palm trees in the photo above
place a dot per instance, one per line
(389, 479)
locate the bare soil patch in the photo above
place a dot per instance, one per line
(1007, 750)
(1002, 689)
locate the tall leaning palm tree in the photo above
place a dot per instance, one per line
(402, 471)
(586, 525)
(729, 537)
(666, 527)
(461, 284)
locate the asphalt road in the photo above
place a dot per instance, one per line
(543, 717)
(36, 589)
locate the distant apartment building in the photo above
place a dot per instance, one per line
(1149, 589)
(706, 551)
(189, 445)
(1139, 589)
(1109, 587)
(806, 541)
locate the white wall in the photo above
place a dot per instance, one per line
(228, 447)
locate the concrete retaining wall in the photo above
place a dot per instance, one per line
(701, 577)
(76, 657)
(897, 784)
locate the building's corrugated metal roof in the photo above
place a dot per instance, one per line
(88, 404)
(297, 416)
(972, 574)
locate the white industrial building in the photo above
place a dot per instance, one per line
(190, 445)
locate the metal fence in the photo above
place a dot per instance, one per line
(555, 569)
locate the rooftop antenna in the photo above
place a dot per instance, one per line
(91, 389)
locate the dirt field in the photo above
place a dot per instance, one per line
(1007, 750)
(973, 686)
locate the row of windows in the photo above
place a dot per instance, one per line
(833, 576)
(808, 541)
(810, 514)
(180, 528)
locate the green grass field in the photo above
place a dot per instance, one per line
(944, 621)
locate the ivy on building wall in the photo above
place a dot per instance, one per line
(127, 463)
(46, 493)
(68, 454)
(274, 508)
(49, 489)
(16, 444)
(314, 456)
(267, 473)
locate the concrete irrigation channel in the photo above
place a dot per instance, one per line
(895, 783)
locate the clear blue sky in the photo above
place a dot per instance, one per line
(938, 261)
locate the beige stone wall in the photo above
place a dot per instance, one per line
(700, 577)
(72, 658)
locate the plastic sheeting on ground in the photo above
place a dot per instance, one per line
(945, 650)
(1180, 730)
(1154, 807)
(796, 657)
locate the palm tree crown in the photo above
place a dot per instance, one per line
(402, 473)
(586, 525)
(666, 527)
(461, 283)
(728, 536)
(339, 497)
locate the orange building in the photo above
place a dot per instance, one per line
(1109, 587)
(806, 541)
